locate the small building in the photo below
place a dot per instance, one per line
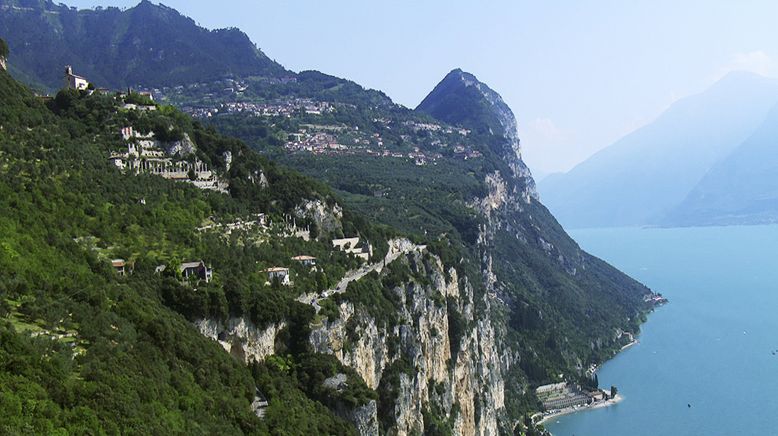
(120, 266)
(550, 389)
(279, 273)
(305, 260)
(345, 244)
(573, 400)
(597, 395)
(74, 81)
(196, 269)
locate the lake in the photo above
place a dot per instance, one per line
(714, 347)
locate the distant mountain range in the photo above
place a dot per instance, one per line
(144, 45)
(741, 188)
(643, 178)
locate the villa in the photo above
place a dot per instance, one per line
(305, 260)
(278, 273)
(196, 269)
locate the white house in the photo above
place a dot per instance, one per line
(280, 273)
(120, 266)
(305, 260)
(196, 269)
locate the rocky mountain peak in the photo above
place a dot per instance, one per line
(461, 99)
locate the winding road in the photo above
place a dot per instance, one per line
(397, 248)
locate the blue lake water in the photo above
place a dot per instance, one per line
(711, 347)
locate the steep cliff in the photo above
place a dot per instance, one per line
(415, 362)
(556, 300)
(461, 99)
(453, 338)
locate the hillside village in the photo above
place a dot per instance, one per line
(318, 130)
(174, 160)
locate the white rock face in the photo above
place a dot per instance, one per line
(327, 218)
(468, 386)
(241, 338)
(184, 147)
(421, 338)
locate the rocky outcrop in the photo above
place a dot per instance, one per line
(183, 148)
(467, 387)
(461, 99)
(241, 338)
(327, 218)
(365, 418)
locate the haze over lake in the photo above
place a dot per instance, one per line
(714, 347)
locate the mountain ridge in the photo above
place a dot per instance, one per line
(742, 188)
(642, 176)
(121, 48)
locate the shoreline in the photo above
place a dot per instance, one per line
(633, 342)
(598, 405)
(570, 410)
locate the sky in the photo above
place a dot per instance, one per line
(578, 74)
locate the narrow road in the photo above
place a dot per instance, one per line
(397, 248)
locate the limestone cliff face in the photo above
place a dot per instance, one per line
(466, 387)
(326, 218)
(459, 349)
(241, 338)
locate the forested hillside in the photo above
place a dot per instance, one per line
(144, 45)
(85, 349)
(457, 294)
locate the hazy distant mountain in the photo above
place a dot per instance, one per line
(741, 189)
(144, 45)
(638, 179)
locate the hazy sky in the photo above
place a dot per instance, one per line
(577, 74)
